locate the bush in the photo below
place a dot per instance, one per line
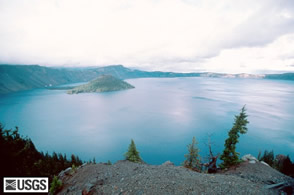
(55, 185)
(132, 153)
(73, 169)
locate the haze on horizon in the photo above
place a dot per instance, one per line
(232, 36)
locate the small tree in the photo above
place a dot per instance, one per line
(193, 158)
(230, 156)
(109, 162)
(73, 159)
(132, 153)
(269, 158)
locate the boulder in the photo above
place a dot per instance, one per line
(64, 172)
(262, 162)
(249, 157)
(168, 163)
(61, 175)
(67, 171)
(84, 164)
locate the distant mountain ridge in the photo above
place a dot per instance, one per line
(15, 78)
(224, 75)
(284, 76)
(104, 83)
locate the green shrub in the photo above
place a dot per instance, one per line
(73, 169)
(55, 185)
(132, 153)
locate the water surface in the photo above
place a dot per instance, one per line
(160, 114)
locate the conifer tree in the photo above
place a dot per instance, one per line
(230, 156)
(193, 158)
(73, 159)
(132, 153)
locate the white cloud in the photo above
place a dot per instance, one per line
(276, 56)
(174, 35)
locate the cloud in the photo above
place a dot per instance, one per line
(174, 35)
(257, 59)
(263, 26)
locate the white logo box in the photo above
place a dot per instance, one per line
(25, 184)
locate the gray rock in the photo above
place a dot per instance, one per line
(168, 163)
(262, 162)
(61, 174)
(252, 161)
(84, 164)
(88, 186)
(64, 172)
(249, 157)
(67, 171)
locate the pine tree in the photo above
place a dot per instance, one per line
(193, 158)
(73, 159)
(230, 156)
(132, 153)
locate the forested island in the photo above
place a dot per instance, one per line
(104, 83)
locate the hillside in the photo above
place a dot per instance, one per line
(104, 83)
(125, 177)
(285, 76)
(25, 77)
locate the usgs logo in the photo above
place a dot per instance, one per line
(25, 184)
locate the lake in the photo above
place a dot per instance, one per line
(160, 114)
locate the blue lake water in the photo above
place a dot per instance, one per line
(160, 114)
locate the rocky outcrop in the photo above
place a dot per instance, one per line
(168, 163)
(262, 162)
(248, 157)
(65, 172)
(261, 173)
(125, 177)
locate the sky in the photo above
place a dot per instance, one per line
(232, 36)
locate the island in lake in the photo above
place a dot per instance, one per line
(104, 83)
